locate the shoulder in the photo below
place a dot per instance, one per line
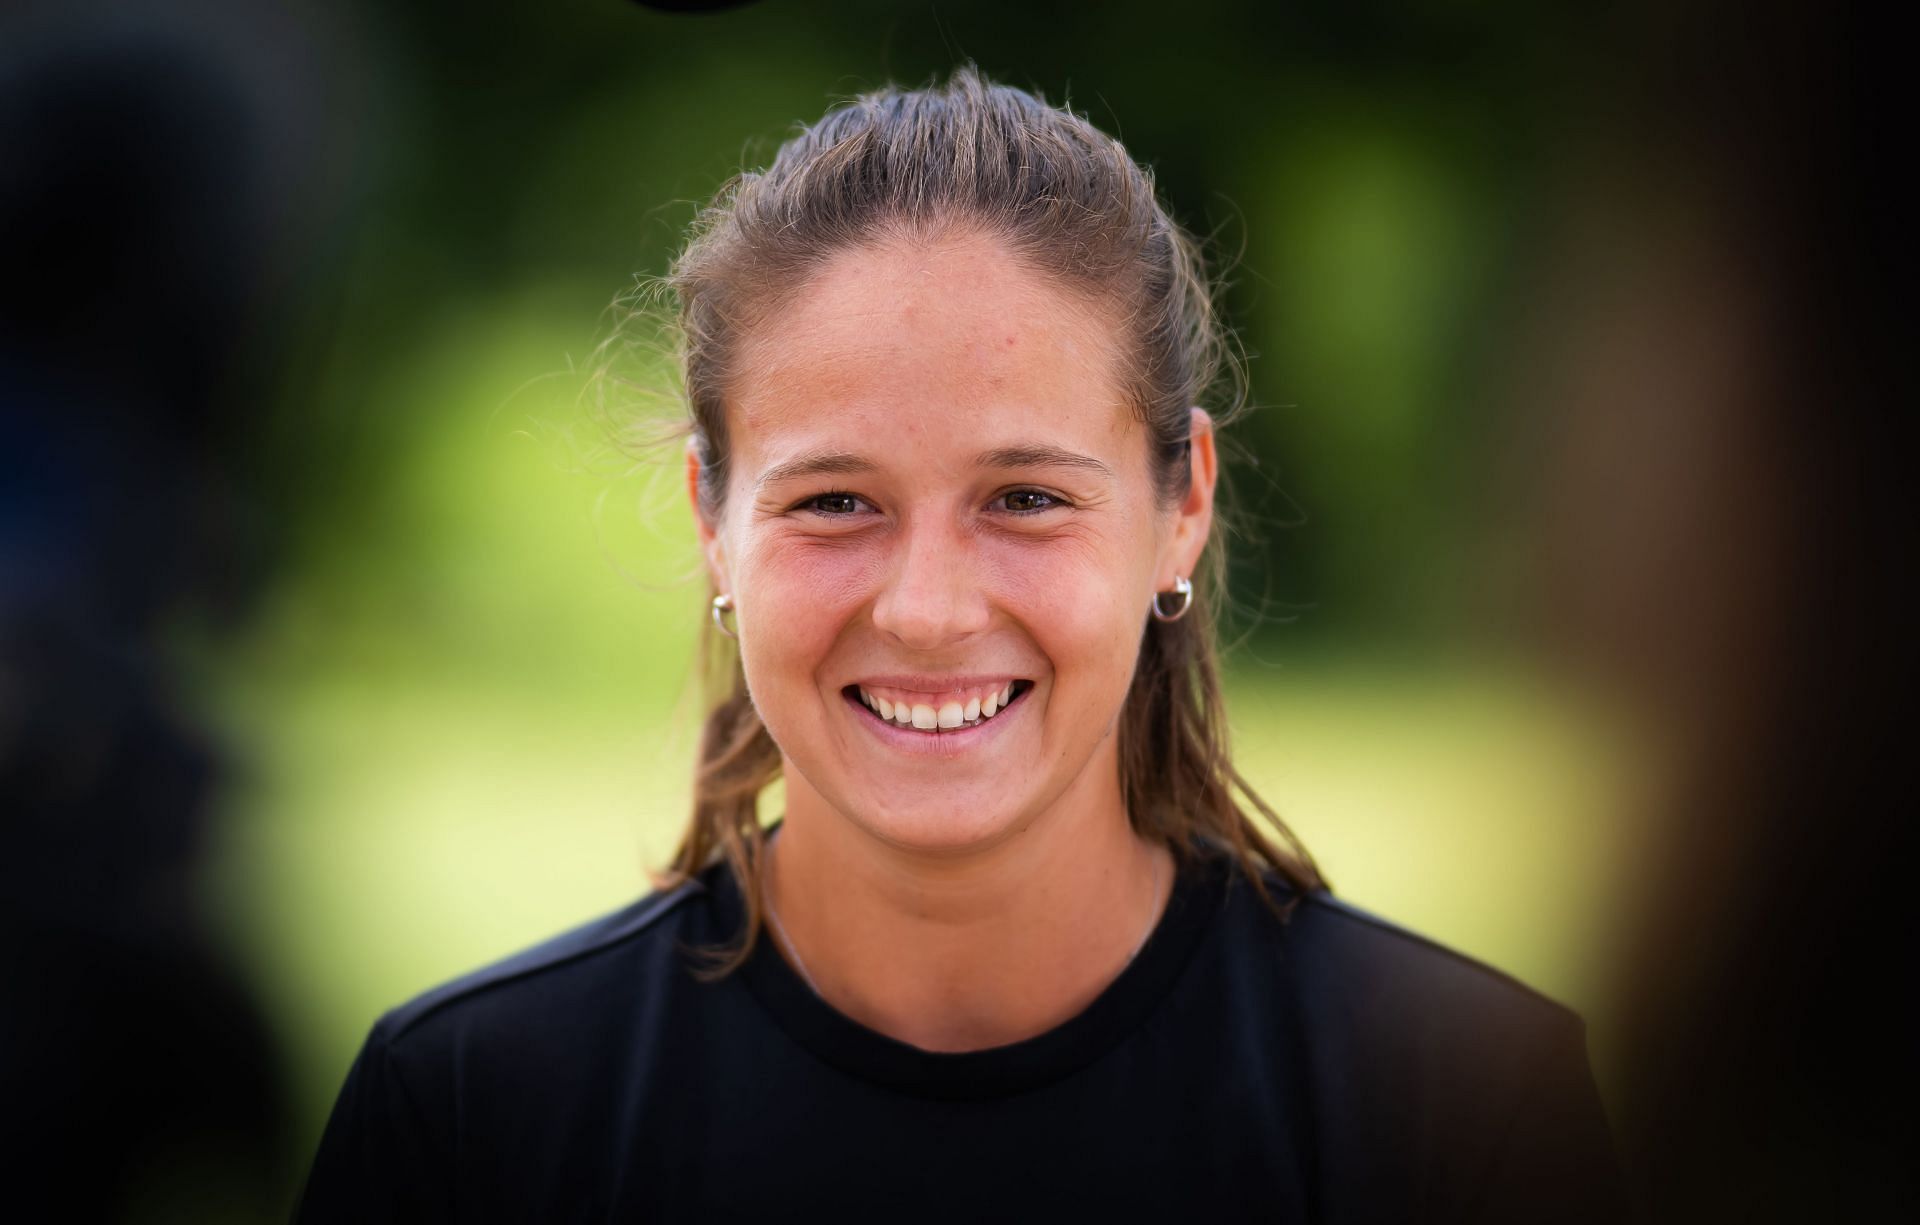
(1379, 1004)
(1427, 1068)
(1368, 961)
(454, 1079)
(1358, 963)
(612, 965)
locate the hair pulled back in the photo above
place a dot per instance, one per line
(1069, 201)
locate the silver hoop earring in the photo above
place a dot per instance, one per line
(722, 605)
(1181, 588)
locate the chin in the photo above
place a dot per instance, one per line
(942, 824)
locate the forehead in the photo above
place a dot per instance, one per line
(924, 351)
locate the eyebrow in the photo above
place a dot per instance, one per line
(840, 463)
(1039, 455)
(816, 464)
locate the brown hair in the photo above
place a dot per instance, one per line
(1070, 202)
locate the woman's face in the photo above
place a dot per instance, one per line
(939, 507)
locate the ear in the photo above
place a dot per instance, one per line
(712, 543)
(1193, 518)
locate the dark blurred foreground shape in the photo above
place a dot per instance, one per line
(1726, 527)
(140, 1080)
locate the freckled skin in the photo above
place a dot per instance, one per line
(919, 357)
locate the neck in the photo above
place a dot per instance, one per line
(964, 950)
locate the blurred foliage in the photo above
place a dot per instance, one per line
(1359, 178)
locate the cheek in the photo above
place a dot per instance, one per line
(1077, 599)
(796, 594)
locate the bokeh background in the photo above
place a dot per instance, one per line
(348, 646)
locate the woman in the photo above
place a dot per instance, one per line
(1015, 948)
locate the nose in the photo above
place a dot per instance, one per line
(931, 595)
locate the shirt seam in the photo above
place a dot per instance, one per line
(1343, 909)
(639, 925)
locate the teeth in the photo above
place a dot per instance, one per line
(946, 716)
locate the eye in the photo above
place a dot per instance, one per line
(832, 505)
(1030, 501)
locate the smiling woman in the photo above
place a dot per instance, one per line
(1036, 948)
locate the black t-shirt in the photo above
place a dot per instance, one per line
(1333, 1068)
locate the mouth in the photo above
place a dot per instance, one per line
(935, 715)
